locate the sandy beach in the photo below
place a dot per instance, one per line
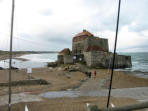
(63, 80)
(60, 80)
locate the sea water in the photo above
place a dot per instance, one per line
(139, 63)
(34, 61)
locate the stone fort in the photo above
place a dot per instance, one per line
(92, 51)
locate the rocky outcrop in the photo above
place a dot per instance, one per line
(1, 68)
(52, 64)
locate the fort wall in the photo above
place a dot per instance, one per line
(96, 44)
(89, 44)
(100, 59)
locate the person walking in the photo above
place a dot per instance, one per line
(95, 73)
(89, 74)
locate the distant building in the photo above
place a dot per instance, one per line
(94, 51)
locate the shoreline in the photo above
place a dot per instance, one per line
(14, 55)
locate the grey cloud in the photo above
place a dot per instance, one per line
(140, 47)
(46, 12)
(57, 38)
(139, 28)
(131, 11)
(134, 11)
(104, 19)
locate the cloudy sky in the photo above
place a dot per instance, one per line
(51, 24)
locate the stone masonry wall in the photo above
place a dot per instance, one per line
(123, 61)
(96, 44)
(87, 58)
(89, 44)
(78, 47)
(68, 59)
(100, 59)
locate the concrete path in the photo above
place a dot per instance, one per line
(90, 85)
(21, 97)
(140, 93)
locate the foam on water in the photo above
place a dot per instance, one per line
(44, 57)
(22, 64)
(35, 61)
(139, 61)
(139, 64)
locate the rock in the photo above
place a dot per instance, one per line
(50, 68)
(52, 64)
(77, 67)
(68, 75)
(60, 69)
(72, 68)
(82, 68)
(69, 89)
(1, 68)
(14, 68)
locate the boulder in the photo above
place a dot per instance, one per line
(52, 64)
(1, 68)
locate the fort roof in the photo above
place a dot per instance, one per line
(65, 51)
(84, 33)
